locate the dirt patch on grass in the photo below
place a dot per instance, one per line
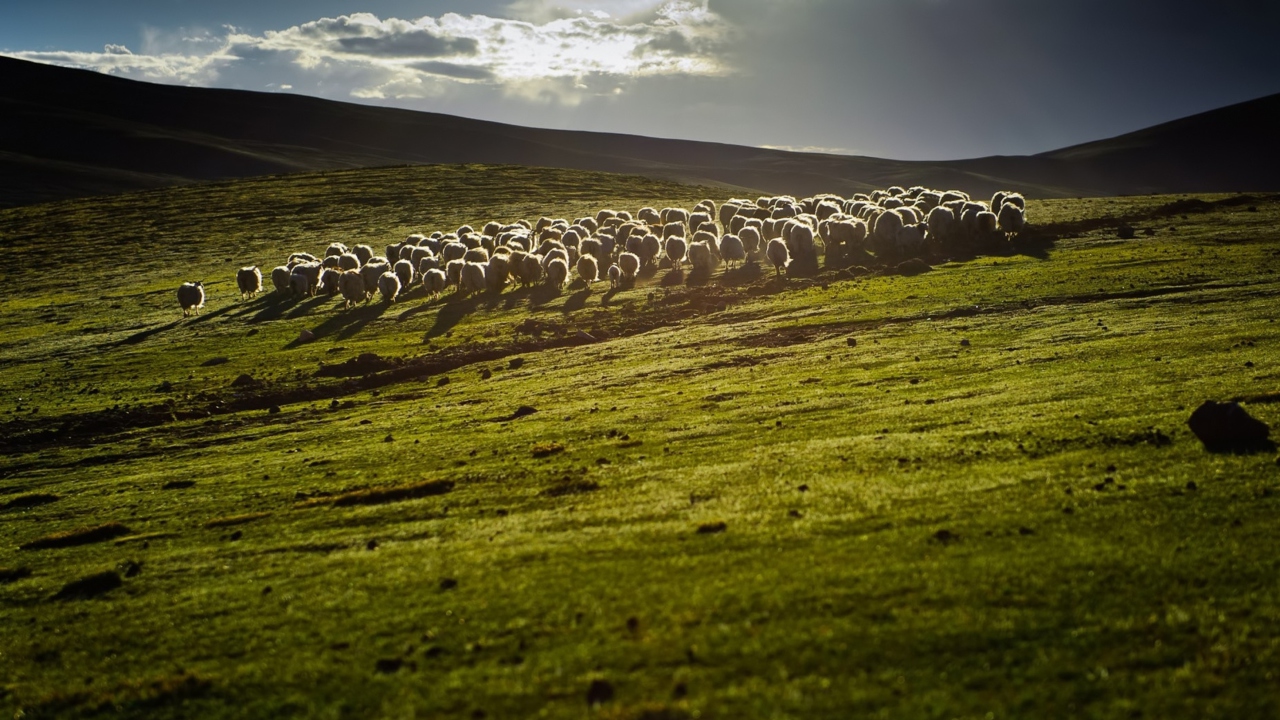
(133, 695)
(382, 495)
(571, 487)
(30, 500)
(236, 519)
(80, 536)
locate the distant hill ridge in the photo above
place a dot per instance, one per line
(68, 133)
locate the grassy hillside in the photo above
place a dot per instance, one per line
(969, 493)
(73, 133)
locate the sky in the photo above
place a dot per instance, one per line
(904, 79)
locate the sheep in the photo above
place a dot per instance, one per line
(452, 251)
(1011, 218)
(299, 284)
(351, 285)
(363, 253)
(987, 222)
(702, 259)
(430, 262)
(672, 214)
(348, 261)
(329, 279)
(750, 238)
(531, 269)
(555, 253)
(650, 248)
(249, 280)
(673, 229)
(557, 272)
(473, 278)
(733, 250)
(676, 248)
(885, 232)
(588, 269)
(433, 282)
(799, 241)
(778, 255)
(476, 255)
(911, 239)
(629, 265)
(649, 216)
(191, 297)
(495, 275)
(453, 272)
(388, 286)
(371, 271)
(299, 258)
(634, 244)
(615, 277)
(335, 249)
(405, 271)
(941, 222)
(280, 278)
(698, 219)
(1013, 199)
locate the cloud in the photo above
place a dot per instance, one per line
(562, 58)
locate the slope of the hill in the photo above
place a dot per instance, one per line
(969, 493)
(72, 133)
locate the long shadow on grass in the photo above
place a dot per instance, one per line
(578, 300)
(543, 294)
(345, 323)
(451, 313)
(141, 335)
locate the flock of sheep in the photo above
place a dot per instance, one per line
(893, 224)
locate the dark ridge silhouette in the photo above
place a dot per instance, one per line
(68, 133)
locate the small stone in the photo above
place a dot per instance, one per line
(964, 342)
(448, 584)
(306, 336)
(851, 342)
(485, 374)
(371, 545)
(274, 409)
(388, 439)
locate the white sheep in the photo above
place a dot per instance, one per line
(476, 255)
(673, 229)
(650, 248)
(886, 229)
(778, 255)
(750, 237)
(650, 216)
(335, 249)
(733, 250)
(452, 251)
(941, 222)
(433, 282)
(405, 271)
(191, 297)
(676, 248)
(473, 278)
(388, 286)
(557, 272)
(531, 269)
(371, 271)
(703, 260)
(1012, 218)
(987, 222)
(911, 239)
(299, 284)
(588, 269)
(453, 272)
(497, 272)
(329, 279)
(348, 261)
(351, 285)
(629, 265)
(249, 280)
(615, 277)
(363, 253)
(280, 278)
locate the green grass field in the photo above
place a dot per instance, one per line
(965, 494)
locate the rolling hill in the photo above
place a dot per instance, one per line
(71, 133)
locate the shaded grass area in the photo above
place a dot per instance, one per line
(966, 492)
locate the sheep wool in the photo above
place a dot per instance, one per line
(1012, 219)
(433, 282)
(473, 278)
(557, 272)
(191, 298)
(615, 276)
(280, 278)
(249, 280)
(732, 250)
(351, 286)
(388, 286)
(405, 272)
(676, 248)
(702, 259)
(629, 265)
(588, 269)
(778, 255)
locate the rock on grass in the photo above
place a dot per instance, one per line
(1226, 425)
(81, 536)
(712, 527)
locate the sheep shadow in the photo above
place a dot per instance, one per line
(142, 335)
(647, 272)
(346, 323)
(206, 317)
(742, 275)
(674, 278)
(273, 307)
(307, 306)
(543, 294)
(451, 313)
(427, 305)
(578, 300)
